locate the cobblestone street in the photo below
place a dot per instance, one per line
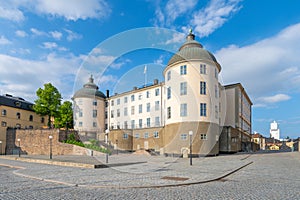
(269, 176)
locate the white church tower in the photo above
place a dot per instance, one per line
(274, 130)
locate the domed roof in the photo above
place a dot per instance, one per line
(192, 50)
(90, 90)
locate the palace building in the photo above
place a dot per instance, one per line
(190, 108)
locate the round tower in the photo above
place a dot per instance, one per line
(89, 110)
(192, 98)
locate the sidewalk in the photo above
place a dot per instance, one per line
(127, 170)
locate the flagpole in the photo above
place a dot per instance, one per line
(145, 73)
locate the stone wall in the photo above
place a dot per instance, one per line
(37, 142)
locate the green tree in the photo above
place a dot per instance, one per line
(65, 116)
(48, 102)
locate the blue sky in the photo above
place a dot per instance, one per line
(62, 42)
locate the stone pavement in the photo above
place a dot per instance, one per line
(270, 176)
(127, 170)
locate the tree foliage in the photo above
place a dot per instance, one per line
(48, 102)
(65, 116)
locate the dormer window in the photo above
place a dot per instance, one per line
(18, 104)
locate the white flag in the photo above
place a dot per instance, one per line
(145, 69)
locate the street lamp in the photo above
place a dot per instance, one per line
(191, 137)
(19, 146)
(0, 147)
(106, 138)
(50, 137)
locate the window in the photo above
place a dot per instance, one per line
(125, 136)
(42, 120)
(203, 109)
(137, 135)
(125, 111)
(94, 124)
(140, 108)
(148, 107)
(146, 135)
(202, 87)
(216, 112)
(202, 69)
(18, 115)
(148, 122)
(112, 102)
(80, 102)
(125, 125)
(216, 73)
(140, 96)
(169, 75)
(216, 91)
(118, 112)
(169, 93)
(112, 114)
(80, 113)
(132, 124)
(157, 121)
(3, 112)
(156, 105)
(183, 136)
(155, 134)
(31, 118)
(125, 99)
(203, 136)
(112, 125)
(157, 92)
(94, 113)
(18, 126)
(148, 94)
(183, 110)
(169, 112)
(132, 110)
(106, 104)
(183, 88)
(118, 101)
(95, 103)
(80, 124)
(140, 123)
(183, 70)
(132, 97)
(4, 124)
(106, 114)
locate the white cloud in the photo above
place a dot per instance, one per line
(119, 64)
(21, 33)
(68, 9)
(56, 34)
(9, 10)
(177, 38)
(217, 12)
(72, 35)
(274, 99)
(159, 61)
(28, 75)
(269, 66)
(49, 45)
(4, 40)
(37, 32)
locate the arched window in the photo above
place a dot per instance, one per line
(42, 120)
(31, 118)
(18, 115)
(3, 112)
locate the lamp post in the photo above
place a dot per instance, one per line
(50, 138)
(19, 141)
(117, 146)
(106, 138)
(191, 137)
(0, 147)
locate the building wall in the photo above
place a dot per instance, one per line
(11, 120)
(84, 118)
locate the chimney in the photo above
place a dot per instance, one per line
(107, 93)
(155, 82)
(135, 88)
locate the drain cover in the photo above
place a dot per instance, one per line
(173, 178)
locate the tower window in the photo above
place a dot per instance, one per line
(183, 70)
(183, 110)
(203, 109)
(183, 88)
(202, 69)
(169, 75)
(202, 87)
(169, 93)
(169, 112)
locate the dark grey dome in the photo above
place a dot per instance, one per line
(90, 90)
(192, 50)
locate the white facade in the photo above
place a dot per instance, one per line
(274, 130)
(139, 108)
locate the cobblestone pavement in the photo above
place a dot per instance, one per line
(270, 176)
